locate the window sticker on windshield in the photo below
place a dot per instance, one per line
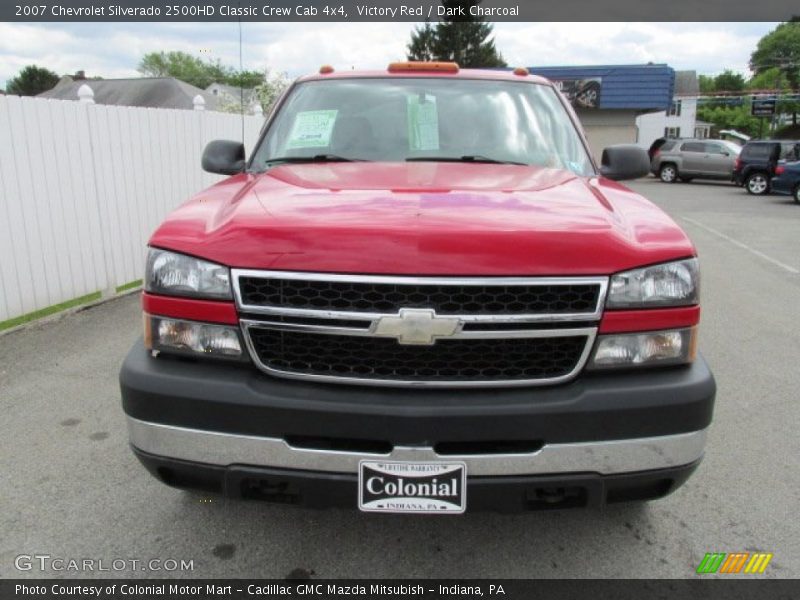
(312, 129)
(423, 122)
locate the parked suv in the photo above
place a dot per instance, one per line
(655, 147)
(421, 294)
(686, 159)
(787, 180)
(756, 164)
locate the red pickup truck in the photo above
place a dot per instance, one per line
(421, 294)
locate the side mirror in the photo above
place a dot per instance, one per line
(223, 157)
(624, 161)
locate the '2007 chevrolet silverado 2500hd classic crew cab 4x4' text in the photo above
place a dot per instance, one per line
(421, 294)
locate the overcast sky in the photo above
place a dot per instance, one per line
(114, 49)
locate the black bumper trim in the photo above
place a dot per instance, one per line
(503, 494)
(239, 399)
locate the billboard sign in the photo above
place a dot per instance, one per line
(581, 93)
(763, 107)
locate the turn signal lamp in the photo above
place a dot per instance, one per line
(439, 67)
(648, 349)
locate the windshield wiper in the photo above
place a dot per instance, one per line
(315, 158)
(478, 158)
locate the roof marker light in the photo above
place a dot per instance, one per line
(441, 67)
(521, 71)
(325, 70)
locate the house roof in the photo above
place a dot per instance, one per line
(155, 92)
(686, 83)
(233, 92)
(639, 87)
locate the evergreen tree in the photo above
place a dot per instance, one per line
(463, 39)
(32, 80)
(421, 45)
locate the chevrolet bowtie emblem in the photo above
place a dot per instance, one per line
(416, 326)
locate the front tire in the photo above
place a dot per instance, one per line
(757, 184)
(796, 193)
(668, 173)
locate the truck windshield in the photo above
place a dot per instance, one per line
(420, 119)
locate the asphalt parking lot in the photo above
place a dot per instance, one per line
(71, 488)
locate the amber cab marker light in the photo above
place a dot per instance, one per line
(439, 67)
(325, 70)
(521, 71)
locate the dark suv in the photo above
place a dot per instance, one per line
(756, 163)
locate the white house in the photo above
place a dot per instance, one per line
(231, 95)
(680, 120)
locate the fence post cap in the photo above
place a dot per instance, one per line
(199, 102)
(86, 94)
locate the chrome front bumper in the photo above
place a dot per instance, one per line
(601, 457)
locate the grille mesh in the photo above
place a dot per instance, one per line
(444, 299)
(505, 359)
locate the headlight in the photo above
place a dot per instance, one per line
(180, 275)
(669, 284)
(192, 337)
(678, 346)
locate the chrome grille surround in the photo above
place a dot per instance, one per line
(365, 324)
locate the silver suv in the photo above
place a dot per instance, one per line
(686, 159)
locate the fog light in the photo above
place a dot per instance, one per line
(192, 337)
(645, 349)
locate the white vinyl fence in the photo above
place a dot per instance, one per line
(82, 187)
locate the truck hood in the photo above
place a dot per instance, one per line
(423, 218)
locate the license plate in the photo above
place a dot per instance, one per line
(406, 487)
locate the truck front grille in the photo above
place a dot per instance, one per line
(382, 359)
(386, 330)
(445, 299)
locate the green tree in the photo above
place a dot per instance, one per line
(775, 79)
(185, 67)
(32, 80)
(779, 48)
(731, 117)
(729, 81)
(769, 79)
(195, 71)
(463, 39)
(706, 83)
(245, 79)
(269, 90)
(421, 45)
